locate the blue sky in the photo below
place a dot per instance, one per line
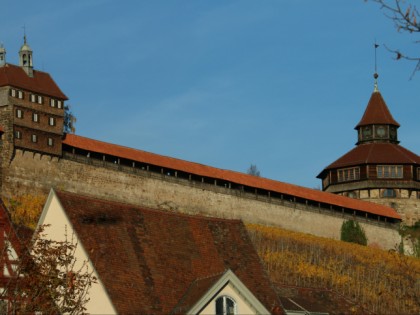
(280, 84)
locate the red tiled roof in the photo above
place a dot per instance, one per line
(147, 259)
(230, 176)
(376, 153)
(41, 82)
(377, 112)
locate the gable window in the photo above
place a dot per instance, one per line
(51, 121)
(19, 113)
(225, 306)
(35, 117)
(34, 138)
(348, 174)
(18, 135)
(389, 193)
(50, 142)
(389, 171)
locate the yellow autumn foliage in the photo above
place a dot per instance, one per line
(25, 209)
(381, 281)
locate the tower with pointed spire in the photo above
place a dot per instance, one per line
(378, 169)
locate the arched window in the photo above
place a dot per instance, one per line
(225, 306)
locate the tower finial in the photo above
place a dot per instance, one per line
(375, 75)
(24, 34)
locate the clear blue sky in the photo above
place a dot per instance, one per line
(280, 84)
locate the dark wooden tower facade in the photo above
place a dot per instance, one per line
(31, 106)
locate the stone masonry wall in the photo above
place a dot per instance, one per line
(34, 173)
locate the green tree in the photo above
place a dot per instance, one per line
(253, 170)
(69, 120)
(352, 232)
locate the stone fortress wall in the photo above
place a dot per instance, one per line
(35, 173)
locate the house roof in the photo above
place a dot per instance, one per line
(227, 175)
(377, 112)
(147, 259)
(375, 153)
(41, 82)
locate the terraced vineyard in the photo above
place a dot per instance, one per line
(381, 281)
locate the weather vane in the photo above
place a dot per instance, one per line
(375, 75)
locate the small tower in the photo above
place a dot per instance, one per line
(2, 55)
(25, 58)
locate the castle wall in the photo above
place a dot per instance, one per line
(34, 173)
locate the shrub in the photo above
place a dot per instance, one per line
(352, 232)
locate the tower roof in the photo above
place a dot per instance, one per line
(41, 82)
(375, 153)
(377, 112)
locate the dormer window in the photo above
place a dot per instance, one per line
(225, 306)
(348, 174)
(389, 171)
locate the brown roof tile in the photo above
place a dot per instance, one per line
(376, 153)
(41, 82)
(230, 176)
(377, 112)
(147, 259)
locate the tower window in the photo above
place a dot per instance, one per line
(348, 174)
(35, 117)
(389, 193)
(51, 121)
(20, 95)
(40, 100)
(34, 138)
(50, 142)
(225, 306)
(59, 104)
(13, 92)
(18, 134)
(52, 102)
(19, 113)
(33, 98)
(389, 171)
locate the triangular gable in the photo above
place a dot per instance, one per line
(217, 290)
(58, 227)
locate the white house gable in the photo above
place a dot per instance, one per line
(228, 296)
(57, 226)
